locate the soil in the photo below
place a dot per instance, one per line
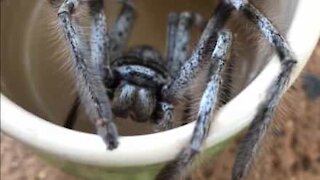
(292, 150)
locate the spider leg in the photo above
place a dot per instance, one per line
(164, 116)
(99, 44)
(263, 118)
(179, 27)
(164, 113)
(208, 105)
(122, 28)
(173, 20)
(89, 81)
(176, 88)
(72, 115)
(100, 41)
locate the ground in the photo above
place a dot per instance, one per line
(291, 152)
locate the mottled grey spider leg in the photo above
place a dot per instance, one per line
(181, 51)
(263, 118)
(164, 111)
(122, 28)
(88, 80)
(99, 41)
(208, 105)
(164, 115)
(173, 20)
(176, 88)
(180, 44)
(120, 32)
(178, 37)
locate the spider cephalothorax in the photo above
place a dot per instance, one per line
(145, 86)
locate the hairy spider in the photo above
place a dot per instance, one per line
(143, 88)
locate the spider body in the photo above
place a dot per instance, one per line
(145, 86)
(140, 77)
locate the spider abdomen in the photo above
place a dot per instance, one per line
(134, 101)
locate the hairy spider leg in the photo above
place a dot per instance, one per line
(101, 44)
(263, 118)
(164, 112)
(89, 82)
(172, 23)
(177, 87)
(122, 29)
(178, 49)
(179, 27)
(100, 40)
(208, 105)
(188, 71)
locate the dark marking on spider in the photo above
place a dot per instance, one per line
(72, 115)
(137, 84)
